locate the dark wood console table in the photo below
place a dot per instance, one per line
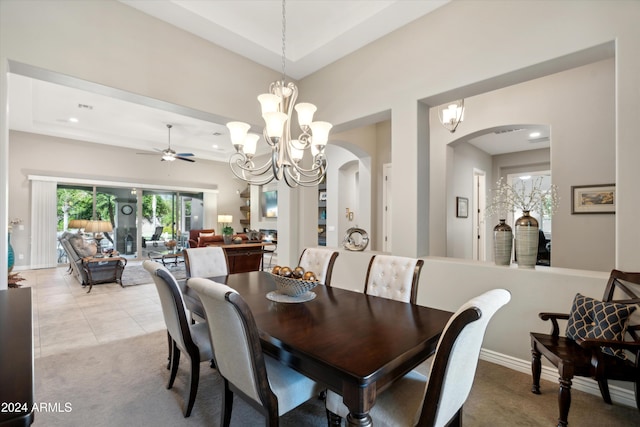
(16, 358)
(244, 257)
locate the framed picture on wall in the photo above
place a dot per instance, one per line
(323, 196)
(593, 199)
(462, 207)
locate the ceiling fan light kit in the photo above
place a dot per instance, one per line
(169, 155)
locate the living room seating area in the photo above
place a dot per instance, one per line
(87, 266)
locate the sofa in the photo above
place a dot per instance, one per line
(195, 235)
(84, 265)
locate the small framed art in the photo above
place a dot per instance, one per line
(593, 199)
(462, 207)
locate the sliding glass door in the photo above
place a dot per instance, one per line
(165, 215)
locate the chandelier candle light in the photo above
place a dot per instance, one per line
(287, 154)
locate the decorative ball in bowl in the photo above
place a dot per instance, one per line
(293, 287)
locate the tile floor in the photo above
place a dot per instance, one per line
(65, 316)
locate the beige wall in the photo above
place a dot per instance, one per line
(578, 106)
(414, 64)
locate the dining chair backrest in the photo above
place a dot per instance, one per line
(238, 352)
(320, 261)
(208, 261)
(393, 277)
(172, 302)
(456, 359)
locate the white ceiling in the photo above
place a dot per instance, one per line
(318, 32)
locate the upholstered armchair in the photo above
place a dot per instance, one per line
(194, 235)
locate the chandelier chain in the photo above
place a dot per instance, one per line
(284, 34)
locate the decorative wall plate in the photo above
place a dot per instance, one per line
(355, 239)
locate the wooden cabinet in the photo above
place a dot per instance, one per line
(244, 257)
(16, 357)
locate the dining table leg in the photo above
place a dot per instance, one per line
(362, 420)
(359, 402)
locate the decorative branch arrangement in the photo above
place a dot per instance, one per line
(505, 198)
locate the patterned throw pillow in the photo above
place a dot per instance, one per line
(590, 318)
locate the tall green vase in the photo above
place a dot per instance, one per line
(11, 255)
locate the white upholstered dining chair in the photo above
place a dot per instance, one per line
(207, 261)
(393, 277)
(436, 401)
(268, 385)
(320, 261)
(192, 339)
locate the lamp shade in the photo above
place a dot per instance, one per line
(78, 223)
(98, 226)
(225, 219)
(238, 132)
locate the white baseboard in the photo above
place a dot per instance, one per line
(619, 395)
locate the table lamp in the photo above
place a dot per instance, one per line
(98, 227)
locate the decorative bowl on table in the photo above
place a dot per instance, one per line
(293, 287)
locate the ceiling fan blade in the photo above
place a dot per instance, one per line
(185, 159)
(184, 154)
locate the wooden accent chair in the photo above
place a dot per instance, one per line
(320, 261)
(393, 277)
(415, 400)
(193, 339)
(265, 383)
(592, 356)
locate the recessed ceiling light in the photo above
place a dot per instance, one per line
(215, 146)
(73, 120)
(534, 134)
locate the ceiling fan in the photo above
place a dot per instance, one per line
(170, 155)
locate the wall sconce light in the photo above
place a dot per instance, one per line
(451, 114)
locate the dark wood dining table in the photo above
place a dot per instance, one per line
(355, 344)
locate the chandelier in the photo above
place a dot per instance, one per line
(451, 114)
(287, 154)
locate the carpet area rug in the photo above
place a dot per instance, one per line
(123, 383)
(135, 274)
